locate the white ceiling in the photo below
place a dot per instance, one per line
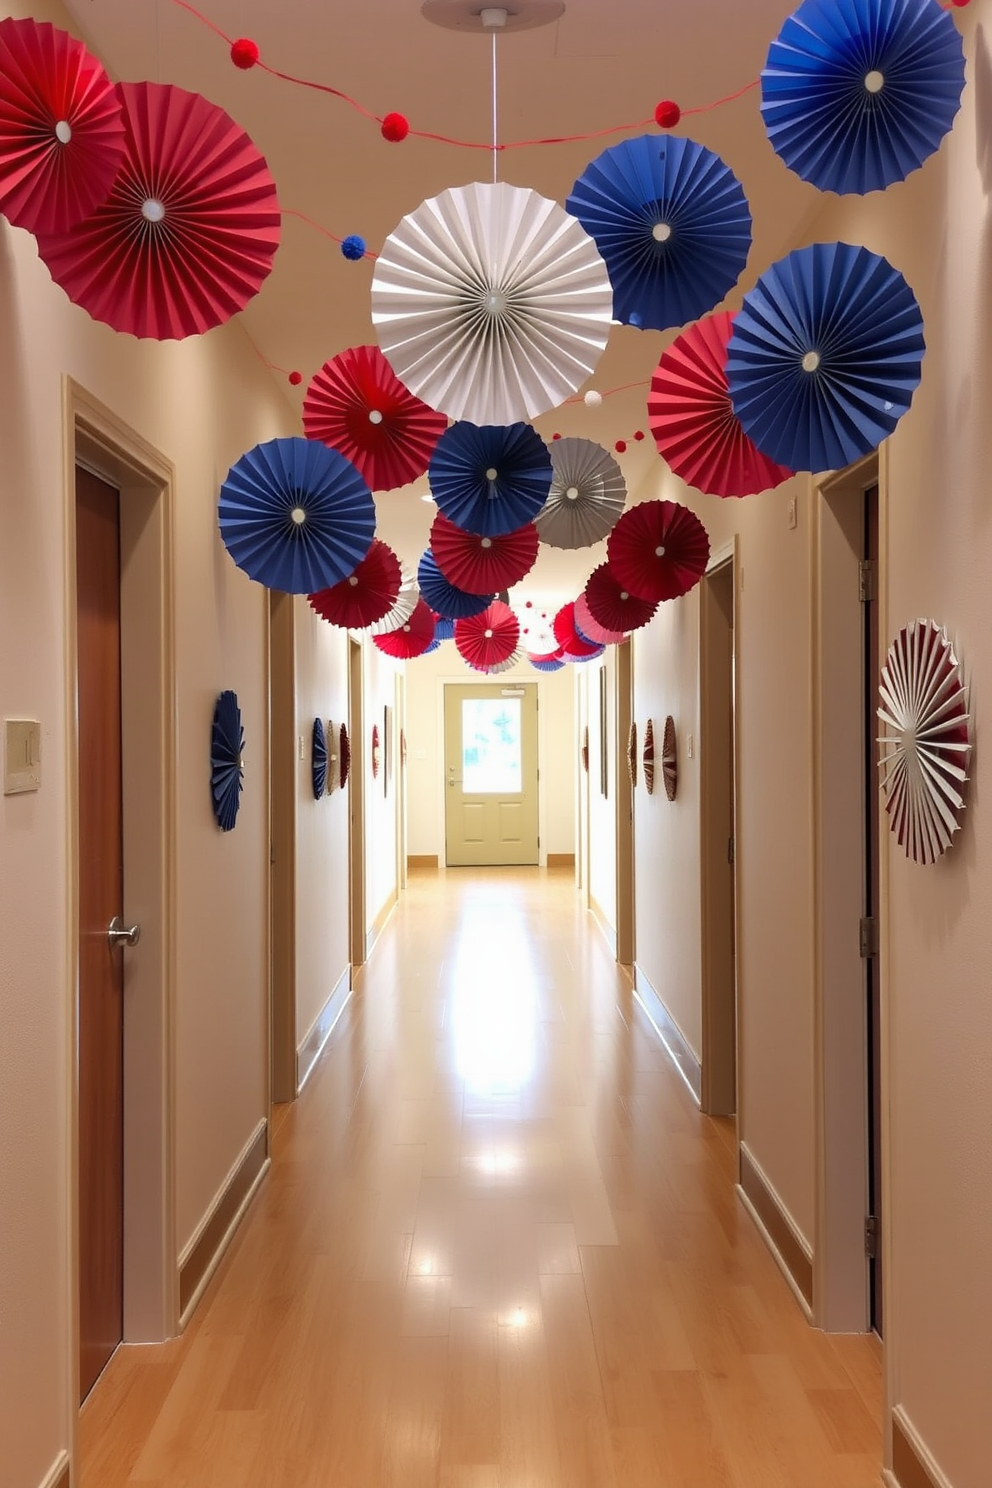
(603, 63)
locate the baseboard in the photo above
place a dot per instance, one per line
(913, 1465)
(422, 860)
(561, 860)
(380, 922)
(309, 1051)
(59, 1475)
(670, 1034)
(778, 1229)
(203, 1254)
(602, 920)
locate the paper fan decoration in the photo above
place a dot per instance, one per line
(412, 638)
(227, 743)
(490, 480)
(647, 762)
(572, 644)
(444, 597)
(590, 629)
(61, 129)
(491, 303)
(376, 752)
(584, 751)
(495, 668)
(345, 755)
(444, 628)
(673, 224)
(670, 759)
(550, 663)
(857, 95)
(364, 596)
(926, 748)
(632, 754)
(406, 603)
(615, 607)
(189, 231)
(693, 421)
(318, 760)
(296, 516)
(479, 564)
(825, 356)
(357, 405)
(658, 550)
(586, 498)
(486, 641)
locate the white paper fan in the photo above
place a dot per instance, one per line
(491, 303)
(502, 666)
(587, 495)
(927, 746)
(406, 603)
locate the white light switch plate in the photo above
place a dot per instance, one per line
(21, 756)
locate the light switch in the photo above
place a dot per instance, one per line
(21, 756)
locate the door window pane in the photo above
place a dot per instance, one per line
(491, 761)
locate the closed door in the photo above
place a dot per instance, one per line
(490, 775)
(872, 874)
(101, 893)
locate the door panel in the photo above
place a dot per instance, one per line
(101, 895)
(872, 663)
(491, 777)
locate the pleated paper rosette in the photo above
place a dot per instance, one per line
(658, 550)
(190, 229)
(491, 303)
(587, 495)
(574, 646)
(489, 640)
(357, 405)
(444, 597)
(227, 743)
(615, 607)
(673, 224)
(857, 94)
(406, 602)
(483, 565)
(549, 663)
(825, 355)
(365, 596)
(412, 638)
(590, 629)
(444, 628)
(693, 421)
(61, 128)
(490, 480)
(318, 759)
(296, 516)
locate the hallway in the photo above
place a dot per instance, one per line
(498, 1248)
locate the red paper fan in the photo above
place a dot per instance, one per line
(488, 639)
(658, 550)
(410, 639)
(568, 637)
(358, 406)
(345, 753)
(588, 626)
(376, 751)
(648, 760)
(483, 565)
(61, 129)
(189, 231)
(694, 423)
(366, 595)
(614, 606)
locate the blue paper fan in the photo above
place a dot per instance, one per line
(227, 742)
(444, 628)
(857, 94)
(446, 598)
(318, 762)
(552, 665)
(296, 515)
(825, 356)
(490, 479)
(673, 224)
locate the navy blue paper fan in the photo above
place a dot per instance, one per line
(492, 478)
(296, 515)
(227, 742)
(444, 597)
(825, 355)
(546, 664)
(856, 94)
(444, 629)
(318, 762)
(673, 224)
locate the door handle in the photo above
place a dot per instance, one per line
(455, 780)
(119, 935)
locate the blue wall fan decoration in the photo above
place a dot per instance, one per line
(318, 760)
(227, 743)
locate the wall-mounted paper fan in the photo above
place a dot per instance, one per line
(632, 754)
(345, 752)
(227, 744)
(333, 774)
(648, 760)
(318, 760)
(670, 759)
(376, 751)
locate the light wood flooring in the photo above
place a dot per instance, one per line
(498, 1248)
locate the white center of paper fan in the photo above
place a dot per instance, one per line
(407, 629)
(491, 474)
(572, 493)
(152, 210)
(488, 635)
(661, 232)
(659, 552)
(495, 302)
(298, 515)
(353, 582)
(375, 417)
(874, 81)
(811, 361)
(63, 131)
(624, 594)
(487, 542)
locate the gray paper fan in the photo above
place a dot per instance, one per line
(587, 495)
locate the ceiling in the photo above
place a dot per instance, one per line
(604, 62)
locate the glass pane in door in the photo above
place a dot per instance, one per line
(491, 752)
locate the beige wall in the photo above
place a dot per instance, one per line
(381, 886)
(602, 810)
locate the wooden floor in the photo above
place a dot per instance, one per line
(498, 1248)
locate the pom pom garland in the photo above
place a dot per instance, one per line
(353, 248)
(295, 378)
(667, 114)
(244, 53)
(395, 128)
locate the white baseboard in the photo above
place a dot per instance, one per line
(59, 1474)
(321, 1029)
(664, 1025)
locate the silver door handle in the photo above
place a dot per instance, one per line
(119, 935)
(453, 781)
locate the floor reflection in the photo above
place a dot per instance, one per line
(494, 1003)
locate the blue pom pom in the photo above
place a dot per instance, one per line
(353, 247)
(636, 319)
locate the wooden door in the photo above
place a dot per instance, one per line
(101, 894)
(872, 874)
(490, 775)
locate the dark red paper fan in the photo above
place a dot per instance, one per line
(358, 406)
(366, 595)
(344, 750)
(568, 637)
(61, 128)
(410, 639)
(189, 232)
(614, 606)
(658, 550)
(483, 565)
(488, 639)
(589, 627)
(693, 421)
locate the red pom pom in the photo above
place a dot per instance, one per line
(667, 114)
(556, 436)
(639, 435)
(244, 52)
(295, 378)
(621, 446)
(395, 128)
(960, 2)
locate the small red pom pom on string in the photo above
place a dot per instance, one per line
(556, 436)
(395, 128)
(639, 435)
(244, 53)
(295, 378)
(960, 2)
(621, 446)
(667, 114)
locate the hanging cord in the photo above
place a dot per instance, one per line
(495, 114)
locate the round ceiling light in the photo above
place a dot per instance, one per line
(471, 16)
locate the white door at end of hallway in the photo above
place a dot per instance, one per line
(490, 775)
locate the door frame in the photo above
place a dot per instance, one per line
(282, 847)
(500, 681)
(626, 901)
(94, 436)
(356, 805)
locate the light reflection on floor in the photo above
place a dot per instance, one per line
(494, 1005)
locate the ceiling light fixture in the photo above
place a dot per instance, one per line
(469, 16)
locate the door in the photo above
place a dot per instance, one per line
(871, 903)
(101, 896)
(491, 775)
(356, 804)
(626, 918)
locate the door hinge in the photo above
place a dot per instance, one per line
(731, 850)
(873, 1234)
(866, 580)
(869, 938)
